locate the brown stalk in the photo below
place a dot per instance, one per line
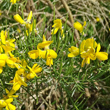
(71, 18)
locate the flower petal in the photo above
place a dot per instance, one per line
(71, 55)
(51, 53)
(29, 17)
(18, 18)
(10, 107)
(16, 86)
(54, 31)
(98, 47)
(44, 44)
(3, 37)
(33, 54)
(78, 26)
(2, 63)
(74, 51)
(102, 55)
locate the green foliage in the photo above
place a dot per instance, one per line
(65, 84)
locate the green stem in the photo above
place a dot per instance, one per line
(58, 42)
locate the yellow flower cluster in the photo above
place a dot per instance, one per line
(88, 51)
(24, 72)
(22, 75)
(47, 53)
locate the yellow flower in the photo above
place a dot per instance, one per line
(12, 61)
(7, 104)
(28, 24)
(18, 81)
(39, 53)
(18, 18)
(88, 43)
(3, 58)
(57, 26)
(79, 26)
(97, 19)
(87, 50)
(101, 55)
(7, 45)
(10, 94)
(47, 53)
(35, 69)
(13, 1)
(87, 55)
(49, 56)
(33, 54)
(74, 51)
(45, 44)
(29, 17)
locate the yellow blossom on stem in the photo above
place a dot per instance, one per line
(79, 26)
(74, 51)
(13, 1)
(29, 17)
(10, 93)
(7, 104)
(87, 50)
(88, 43)
(40, 53)
(29, 26)
(18, 81)
(87, 55)
(18, 18)
(57, 26)
(101, 55)
(7, 45)
(45, 44)
(12, 61)
(47, 53)
(33, 54)
(50, 55)
(35, 69)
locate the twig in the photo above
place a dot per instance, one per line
(45, 101)
(71, 18)
(68, 10)
(9, 25)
